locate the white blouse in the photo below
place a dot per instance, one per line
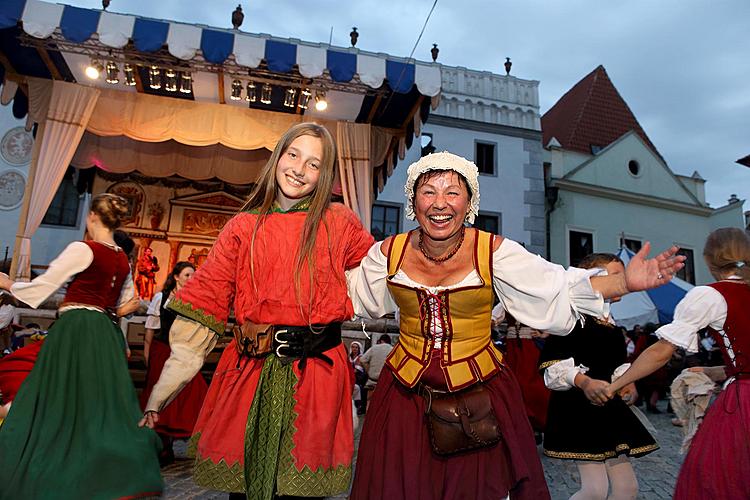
(153, 314)
(538, 293)
(75, 258)
(702, 306)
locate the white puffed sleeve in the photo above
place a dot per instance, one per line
(75, 258)
(190, 343)
(562, 375)
(153, 314)
(702, 306)
(368, 288)
(127, 292)
(543, 295)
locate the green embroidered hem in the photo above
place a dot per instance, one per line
(219, 476)
(269, 464)
(199, 315)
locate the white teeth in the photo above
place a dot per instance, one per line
(441, 218)
(293, 181)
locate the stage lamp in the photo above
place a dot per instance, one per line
(289, 97)
(304, 98)
(154, 78)
(236, 90)
(250, 92)
(186, 83)
(171, 81)
(320, 100)
(265, 94)
(129, 75)
(112, 73)
(93, 70)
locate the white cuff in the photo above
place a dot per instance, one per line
(620, 371)
(561, 376)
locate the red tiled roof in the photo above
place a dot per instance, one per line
(592, 113)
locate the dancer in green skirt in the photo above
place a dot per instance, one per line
(72, 431)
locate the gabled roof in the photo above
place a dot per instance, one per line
(744, 161)
(592, 113)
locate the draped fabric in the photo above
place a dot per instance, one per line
(353, 141)
(121, 155)
(68, 113)
(149, 118)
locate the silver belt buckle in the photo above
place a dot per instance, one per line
(282, 343)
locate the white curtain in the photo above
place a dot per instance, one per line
(355, 171)
(69, 110)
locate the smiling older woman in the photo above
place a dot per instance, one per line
(475, 441)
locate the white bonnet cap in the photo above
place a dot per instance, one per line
(443, 161)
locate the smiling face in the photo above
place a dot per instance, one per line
(441, 202)
(298, 170)
(184, 276)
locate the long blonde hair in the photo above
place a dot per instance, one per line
(263, 196)
(727, 251)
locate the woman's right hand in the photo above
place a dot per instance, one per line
(150, 419)
(593, 389)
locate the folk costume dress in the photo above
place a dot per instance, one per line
(178, 418)
(72, 431)
(718, 462)
(445, 343)
(577, 429)
(267, 426)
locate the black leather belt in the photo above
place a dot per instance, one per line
(292, 343)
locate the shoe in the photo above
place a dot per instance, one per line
(677, 422)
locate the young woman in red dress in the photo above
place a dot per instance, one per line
(278, 425)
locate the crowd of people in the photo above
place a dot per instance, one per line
(446, 415)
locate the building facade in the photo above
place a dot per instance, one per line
(608, 186)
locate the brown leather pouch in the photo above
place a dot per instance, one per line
(252, 340)
(461, 421)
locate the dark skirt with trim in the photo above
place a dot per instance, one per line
(579, 430)
(396, 461)
(72, 431)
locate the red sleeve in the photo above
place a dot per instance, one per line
(358, 240)
(208, 297)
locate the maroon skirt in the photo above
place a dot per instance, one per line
(522, 357)
(718, 463)
(396, 461)
(178, 418)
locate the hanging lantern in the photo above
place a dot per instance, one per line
(236, 94)
(265, 94)
(250, 95)
(289, 98)
(171, 81)
(186, 83)
(304, 98)
(154, 78)
(112, 73)
(129, 75)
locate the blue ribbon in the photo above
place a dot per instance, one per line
(148, 35)
(400, 76)
(216, 45)
(77, 25)
(280, 56)
(341, 65)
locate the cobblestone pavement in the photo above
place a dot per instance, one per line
(656, 472)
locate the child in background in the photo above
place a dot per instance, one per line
(599, 438)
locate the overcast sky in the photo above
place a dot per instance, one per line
(683, 66)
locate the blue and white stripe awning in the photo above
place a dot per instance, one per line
(185, 42)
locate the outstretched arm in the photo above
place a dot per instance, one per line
(642, 273)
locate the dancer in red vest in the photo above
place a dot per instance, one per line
(718, 463)
(72, 430)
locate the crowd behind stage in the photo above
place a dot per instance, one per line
(452, 411)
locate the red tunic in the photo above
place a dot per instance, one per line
(256, 279)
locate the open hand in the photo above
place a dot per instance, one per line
(150, 419)
(643, 273)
